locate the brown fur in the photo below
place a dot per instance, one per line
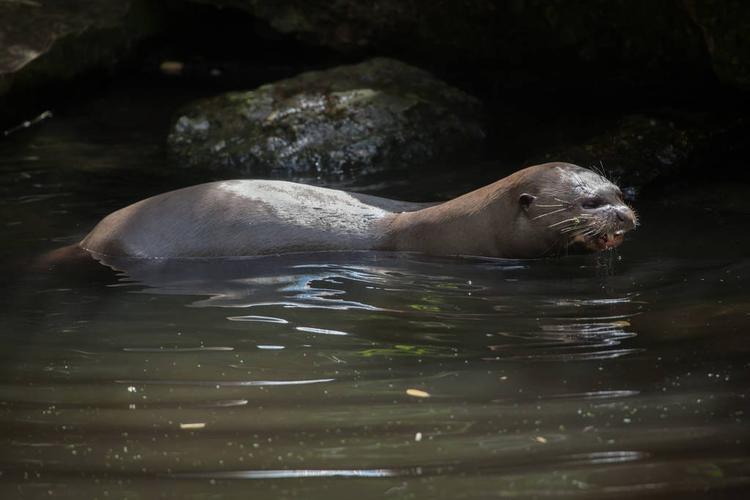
(533, 212)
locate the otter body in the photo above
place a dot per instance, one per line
(535, 212)
(244, 217)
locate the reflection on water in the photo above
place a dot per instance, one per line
(379, 375)
(538, 378)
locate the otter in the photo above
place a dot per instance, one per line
(538, 211)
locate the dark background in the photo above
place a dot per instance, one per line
(656, 93)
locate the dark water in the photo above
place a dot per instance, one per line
(357, 375)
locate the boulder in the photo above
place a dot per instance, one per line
(45, 43)
(628, 41)
(640, 150)
(725, 25)
(356, 119)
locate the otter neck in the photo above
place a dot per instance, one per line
(466, 225)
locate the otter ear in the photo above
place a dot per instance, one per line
(525, 200)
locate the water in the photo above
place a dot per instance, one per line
(380, 375)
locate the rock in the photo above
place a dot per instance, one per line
(725, 25)
(640, 150)
(47, 42)
(350, 119)
(634, 42)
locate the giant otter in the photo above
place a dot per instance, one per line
(537, 211)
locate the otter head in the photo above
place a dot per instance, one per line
(566, 207)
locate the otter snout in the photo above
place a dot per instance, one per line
(625, 216)
(616, 220)
(624, 220)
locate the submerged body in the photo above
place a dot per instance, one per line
(535, 212)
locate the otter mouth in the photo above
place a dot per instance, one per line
(608, 241)
(602, 241)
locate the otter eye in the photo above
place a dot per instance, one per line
(590, 203)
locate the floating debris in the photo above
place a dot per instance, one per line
(172, 67)
(195, 425)
(417, 393)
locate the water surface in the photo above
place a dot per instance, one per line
(380, 375)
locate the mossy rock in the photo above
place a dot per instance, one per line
(343, 121)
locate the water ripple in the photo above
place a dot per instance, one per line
(293, 473)
(322, 331)
(225, 383)
(178, 349)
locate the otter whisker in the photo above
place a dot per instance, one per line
(608, 174)
(591, 231)
(549, 206)
(549, 213)
(572, 228)
(601, 171)
(576, 220)
(579, 230)
(636, 219)
(555, 195)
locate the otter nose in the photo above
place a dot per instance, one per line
(626, 215)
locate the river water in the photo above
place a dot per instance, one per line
(357, 375)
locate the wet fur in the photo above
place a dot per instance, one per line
(247, 217)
